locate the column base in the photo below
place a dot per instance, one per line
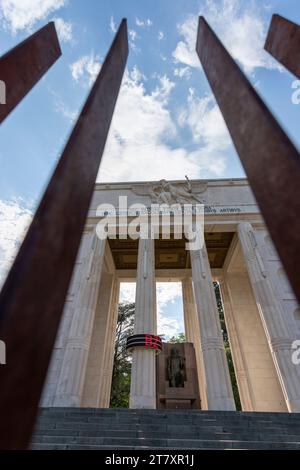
(293, 406)
(142, 402)
(67, 401)
(221, 404)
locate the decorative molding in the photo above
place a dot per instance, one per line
(212, 343)
(281, 344)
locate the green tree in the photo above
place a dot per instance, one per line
(180, 338)
(122, 359)
(235, 389)
(120, 388)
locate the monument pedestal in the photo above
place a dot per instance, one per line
(176, 377)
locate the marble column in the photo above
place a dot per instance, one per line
(53, 375)
(94, 372)
(71, 381)
(192, 333)
(272, 316)
(217, 379)
(143, 380)
(241, 372)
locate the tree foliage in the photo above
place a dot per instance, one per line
(180, 338)
(122, 359)
(235, 390)
(120, 388)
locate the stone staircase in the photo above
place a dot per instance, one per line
(111, 429)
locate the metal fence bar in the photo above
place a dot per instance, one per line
(24, 65)
(33, 296)
(270, 160)
(283, 43)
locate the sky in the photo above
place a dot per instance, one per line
(166, 122)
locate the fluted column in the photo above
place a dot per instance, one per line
(272, 316)
(217, 380)
(193, 333)
(53, 375)
(143, 389)
(237, 355)
(94, 372)
(188, 308)
(71, 381)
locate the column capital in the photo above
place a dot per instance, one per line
(244, 225)
(200, 257)
(220, 279)
(250, 247)
(281, 344)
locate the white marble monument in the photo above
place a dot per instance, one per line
(261, 313)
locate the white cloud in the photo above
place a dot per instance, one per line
(166, 293)
(205, 121)
(208, 129)
(86, 69)
(164, 88)
(14, 221)
(143, 23)
(23, 14)
(161, 35)
(241, 28)
(183, 72)
(137, 147)
(61, 108)
(185, 49)
(112, 25)
(136, 75)
(132, 37)
(127, 292)
(132, 34)
(64, 30)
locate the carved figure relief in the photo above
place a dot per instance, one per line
(164, 192)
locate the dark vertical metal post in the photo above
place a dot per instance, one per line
(24, 65)
(270, 160)
(283, 43)
(32, 299)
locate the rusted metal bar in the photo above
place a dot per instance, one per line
(32, 299)
(24, 65)
(270, 160)
(283, 43)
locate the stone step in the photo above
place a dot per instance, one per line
(215, 426)
(170, 416)
(124, 443)
(144, 411)
(58, 433)
(74, 428)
